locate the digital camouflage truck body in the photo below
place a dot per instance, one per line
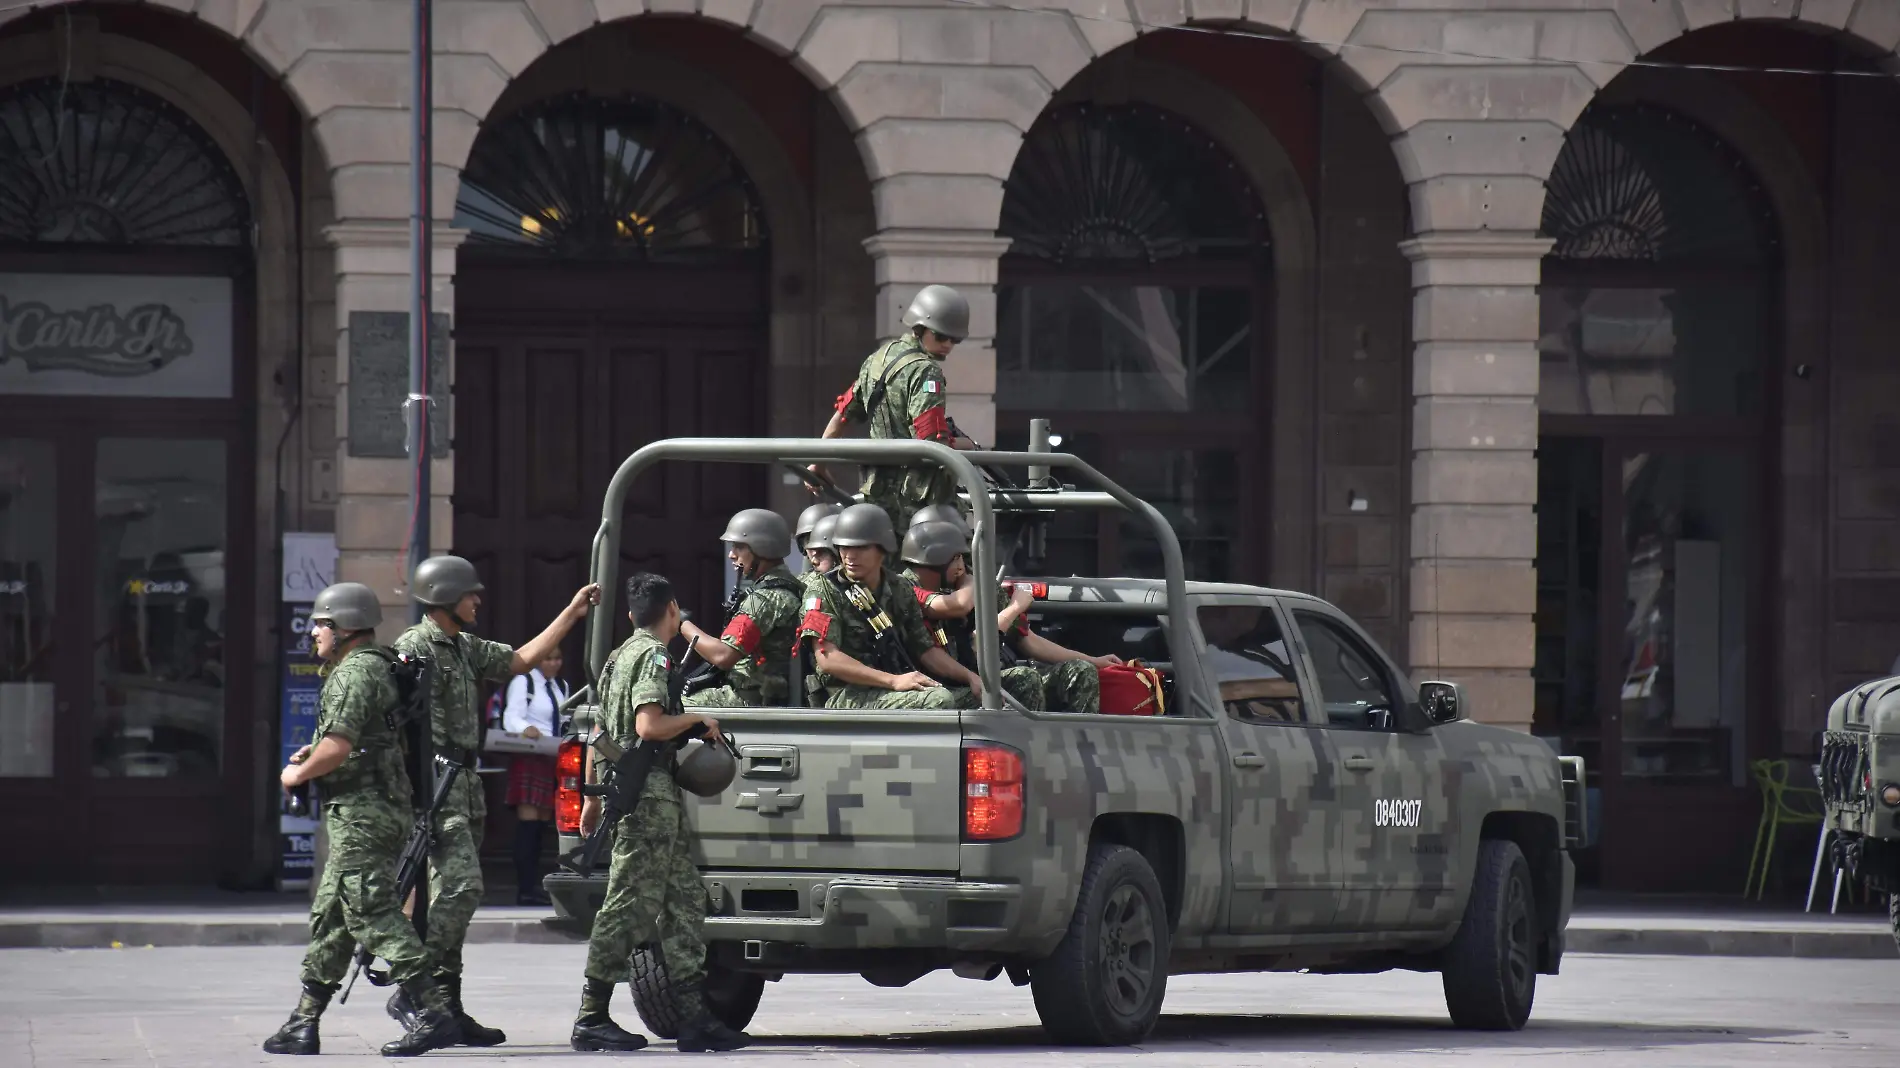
(1299, 805)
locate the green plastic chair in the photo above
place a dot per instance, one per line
(1795, 806)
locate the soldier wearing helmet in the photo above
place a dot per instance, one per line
(872, 648)
(899, 393)
(755, 650)
(808, 521)
(356, 757)
(450, 592)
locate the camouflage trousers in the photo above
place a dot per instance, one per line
(877, 697)
(455, 872)
(356, 898)
(724, 697)
(654, 895)
(1070, 686)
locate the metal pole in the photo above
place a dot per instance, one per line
(421, 155)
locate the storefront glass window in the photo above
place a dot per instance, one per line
(1682, 350)
(1079, 347)
(29, 548)
(160, 666)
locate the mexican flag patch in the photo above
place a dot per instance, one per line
(660, 658)
(813, 604)
(930, 386)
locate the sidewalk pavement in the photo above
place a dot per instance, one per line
(1658, 925)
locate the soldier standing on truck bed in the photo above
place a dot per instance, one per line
(899, 393)
(872, 647)
(1061, 680)
(755, 650)
(367, 815)
(654, 893)
(450, 591)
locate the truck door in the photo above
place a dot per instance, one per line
(1398, 818)
(1283, 844)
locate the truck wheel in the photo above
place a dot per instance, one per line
(1104, 984)
(1893, 917)
(1490, 968)
(732, 997)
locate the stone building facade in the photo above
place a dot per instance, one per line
(1486, 320)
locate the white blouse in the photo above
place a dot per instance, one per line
(518, 712)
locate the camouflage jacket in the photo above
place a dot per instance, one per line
(637, 675)
(462, 663)
(762, 631)
(357, 696)
(959, 635)
(911, 405)
(829, 616)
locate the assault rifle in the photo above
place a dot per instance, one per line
(821, 486)
(620, 787)
(694, 671)
(887, 646)
(410, 869)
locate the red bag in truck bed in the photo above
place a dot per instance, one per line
(1132, 689)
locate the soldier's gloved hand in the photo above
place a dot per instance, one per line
(910, 681)
(590, 815)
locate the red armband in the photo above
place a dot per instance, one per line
(744, 633)
(845, 398)
(815, 623)
(923, 595)
(933, 424)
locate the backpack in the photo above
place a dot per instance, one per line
(498, 701)
(1132, 689)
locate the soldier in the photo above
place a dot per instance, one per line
(861, 615)
(654, 892)
(1062, 679)
(451, 591)
(899, 393)
(820, 554)
(808, 521)
(756, 649)
(366, 813)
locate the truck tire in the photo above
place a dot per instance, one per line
(1893, 917)
(732, 997)
(1490, 968)
(1104, 984)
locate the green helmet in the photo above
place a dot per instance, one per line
(761, 530)
(934, 544)
(865, 524)
(352, 606)
(809, 518)
(941, 309)
(821, 533)
(443, 580)
(938, 513)
(706, 769)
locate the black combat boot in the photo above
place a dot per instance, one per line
(403, 1011)
(700, 1030)
(298, 1036)
(431, 1027)
(594, 1030)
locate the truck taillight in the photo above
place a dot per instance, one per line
(568, 771)
(992, 792)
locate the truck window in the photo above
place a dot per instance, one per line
(1353, 687)
(1251, 663)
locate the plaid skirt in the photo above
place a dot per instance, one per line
(531, 780)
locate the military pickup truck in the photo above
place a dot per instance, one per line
(1300, 806)
(1860, 786)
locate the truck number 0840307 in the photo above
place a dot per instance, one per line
(1396, 813)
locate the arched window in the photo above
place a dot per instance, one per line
(1652, 293)
(588, 177)
(1131, 313)
(105, 163)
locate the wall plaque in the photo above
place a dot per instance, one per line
(379, 382)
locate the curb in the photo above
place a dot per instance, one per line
(1873, 943)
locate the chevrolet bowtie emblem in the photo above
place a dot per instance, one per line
(769, 802)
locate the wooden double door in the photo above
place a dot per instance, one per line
(561, 374)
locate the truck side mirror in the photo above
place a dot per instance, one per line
(1444, 702)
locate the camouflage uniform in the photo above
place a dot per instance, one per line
(1064, 686)
(367, 815)
(654, 892)
(911, 406)
(830, 617)
(462, 662)
(762, 632)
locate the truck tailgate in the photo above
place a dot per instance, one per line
(837, 790)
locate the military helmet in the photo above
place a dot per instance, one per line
(938, 513)
(865, 524)
(352, 606)
(443, 580)
(706, 769)
(942, 309)
(821, 533)
(934, 544)
(809, 518)
(761, 530)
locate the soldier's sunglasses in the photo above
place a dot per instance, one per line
(939, 335)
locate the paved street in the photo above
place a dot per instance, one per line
(191, 1007)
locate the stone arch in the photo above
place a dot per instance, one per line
(1871, 25)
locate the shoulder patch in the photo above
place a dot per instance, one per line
(812, 604)
(930, 386)
(660, 658)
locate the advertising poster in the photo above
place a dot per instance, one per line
(309, 566)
